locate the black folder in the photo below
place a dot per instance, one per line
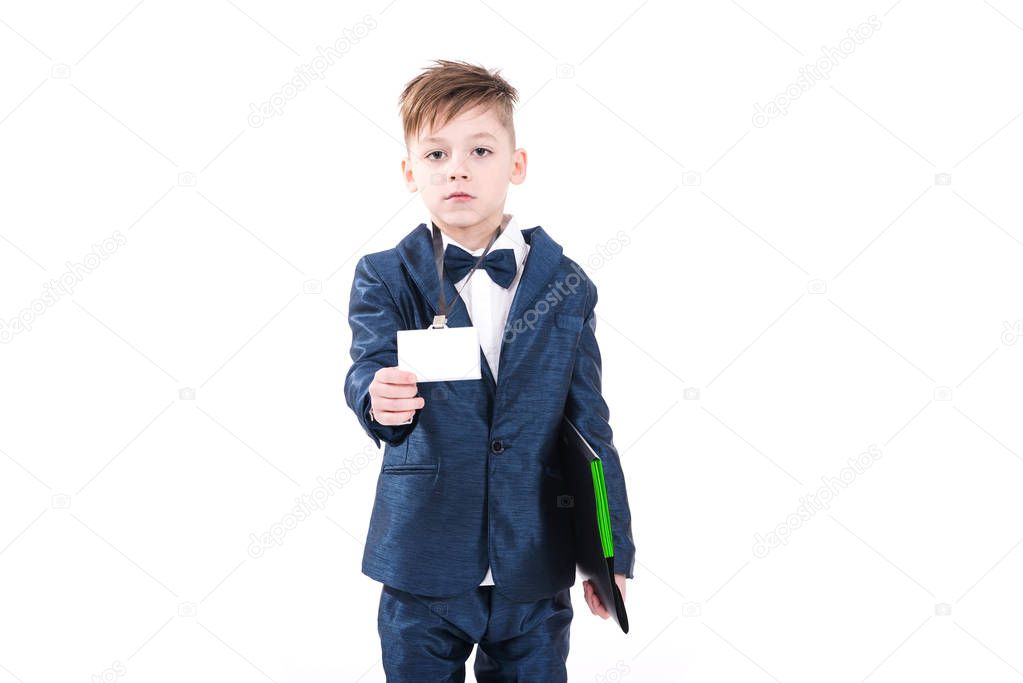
(587, 496)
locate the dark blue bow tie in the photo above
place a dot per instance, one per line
(499, 264)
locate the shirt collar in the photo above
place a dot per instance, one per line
(510, 238)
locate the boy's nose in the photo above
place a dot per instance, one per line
(459, 169)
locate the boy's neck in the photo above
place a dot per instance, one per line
(476, 236)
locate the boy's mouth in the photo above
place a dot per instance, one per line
(459, 196)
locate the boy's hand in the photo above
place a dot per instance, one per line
(393, 396)
(593, 600)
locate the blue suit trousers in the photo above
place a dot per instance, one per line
(429, 639)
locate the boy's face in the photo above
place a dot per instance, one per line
(471, 154)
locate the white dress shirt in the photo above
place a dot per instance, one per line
(488, 303)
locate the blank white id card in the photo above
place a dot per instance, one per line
(440, 355)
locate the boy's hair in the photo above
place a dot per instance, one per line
(445, 90)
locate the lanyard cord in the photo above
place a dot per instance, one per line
(440, 320)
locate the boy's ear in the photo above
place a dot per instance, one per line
(406, 174)
(518, 174)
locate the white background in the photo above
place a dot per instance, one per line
(843, 280)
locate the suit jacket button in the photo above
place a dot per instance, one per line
(496, 446)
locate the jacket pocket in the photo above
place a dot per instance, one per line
(420, 454)
(394, 455)
(410, 469)
(569, 322)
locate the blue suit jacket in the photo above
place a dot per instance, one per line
(475, 476)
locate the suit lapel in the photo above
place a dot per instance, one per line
(416, 252)
(541, 264)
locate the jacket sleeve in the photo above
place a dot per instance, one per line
(374, 319)
(588, 411)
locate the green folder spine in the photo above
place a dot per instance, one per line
(603, 516)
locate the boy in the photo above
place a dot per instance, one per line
(466, 534)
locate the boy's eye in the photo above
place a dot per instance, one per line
(479, 151)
